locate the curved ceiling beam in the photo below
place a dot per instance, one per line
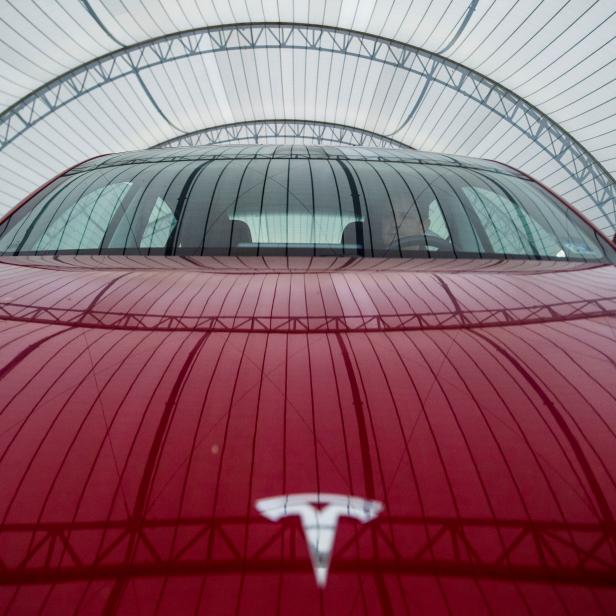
(253, 131)
(464, 22)
(573, 158)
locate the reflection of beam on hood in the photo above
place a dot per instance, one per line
(602, 510)
(140, 508)
(7, 368)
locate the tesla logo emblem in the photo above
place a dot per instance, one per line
(319, 514)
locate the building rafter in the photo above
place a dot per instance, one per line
(457, 547)
(580, 165)
(257, 131)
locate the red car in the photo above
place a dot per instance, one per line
(301, 380)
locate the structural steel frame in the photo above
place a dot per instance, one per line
(109, 319)
(556, 552)
(255, 131)
(581, 166)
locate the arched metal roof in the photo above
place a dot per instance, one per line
(529, 84)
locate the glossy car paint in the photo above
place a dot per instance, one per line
(147, 403)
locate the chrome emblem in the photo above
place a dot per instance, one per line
(319, 514)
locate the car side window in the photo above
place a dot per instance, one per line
(83, 226)
(509, 228)
(160, 226)
(438, 226)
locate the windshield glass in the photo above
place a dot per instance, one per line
(298, 206)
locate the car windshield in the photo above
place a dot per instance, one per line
(375, 206)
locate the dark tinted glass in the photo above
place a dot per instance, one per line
(333, 205)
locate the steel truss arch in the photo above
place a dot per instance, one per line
(252, 131)
(580, 165)
(553, 552)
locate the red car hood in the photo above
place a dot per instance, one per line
(148, 404)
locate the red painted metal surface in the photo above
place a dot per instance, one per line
(147, 403)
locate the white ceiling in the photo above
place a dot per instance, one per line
(557, 56)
